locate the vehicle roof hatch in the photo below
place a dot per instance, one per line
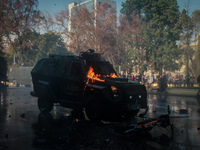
(90, 55)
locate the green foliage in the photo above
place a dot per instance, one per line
(196, 64)
(28, 45)
(9, 57)
(186, 36)
(196, 20)
(143, 68)
(198, 61)
(51, 43)
(18, 19)
(160, 31)
(36, 47)
(31, 49)
(196, 23)
(132, 7)
(187, 28)
(1, 47)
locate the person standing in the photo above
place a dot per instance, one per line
(138, 77)
(198, 81)
(162, 84)
(184, 81)
(191, 80)
(132, 78)
(165, 82)
(175, 80)
(150, 81)
(178, 80)
(188, 80)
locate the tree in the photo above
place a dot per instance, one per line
(30, 47)
(18, 17)
(48, 23)
(93, 28)
(81, 32)
(77, 28)
(196, 21)
(128, 31)
(105, 31)
(197, 61)
(1, 47)
(2, 23)
(132, 7)
(161, 31)
(186, 36)
(51, 43)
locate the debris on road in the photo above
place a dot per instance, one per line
(149, 123)
(23, 115)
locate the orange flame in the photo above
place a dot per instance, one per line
(91, 75)
(113, 75)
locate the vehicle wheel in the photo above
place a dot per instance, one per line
(45, 105)
(45, 124)
(15, 84)
(94, 108)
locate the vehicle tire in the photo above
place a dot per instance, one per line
(45, 124)
(45, 105)
(15, 84)
(94, 109)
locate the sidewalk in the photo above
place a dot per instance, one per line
(183, 91)
(177, 91)
(172, 85)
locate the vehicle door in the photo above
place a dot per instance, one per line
(74, 80)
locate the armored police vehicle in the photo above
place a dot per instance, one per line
(86, 82)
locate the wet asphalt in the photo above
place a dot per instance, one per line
(22, 126)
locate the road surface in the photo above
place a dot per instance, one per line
(22, 126)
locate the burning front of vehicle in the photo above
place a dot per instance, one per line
(86, 82)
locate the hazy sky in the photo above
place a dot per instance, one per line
(57, 5)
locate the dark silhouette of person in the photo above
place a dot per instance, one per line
(191, 80)
(198, 80)
(188, 80)
(162, 82)
(179, 80)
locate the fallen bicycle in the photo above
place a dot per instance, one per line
(149, 123)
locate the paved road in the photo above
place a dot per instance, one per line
(18, 114)
(22, 126)
(185, 116)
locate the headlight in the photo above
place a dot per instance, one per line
(115, 91)
(114, 88)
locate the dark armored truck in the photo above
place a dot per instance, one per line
(86, 82)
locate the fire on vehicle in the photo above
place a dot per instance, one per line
(86, 82)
